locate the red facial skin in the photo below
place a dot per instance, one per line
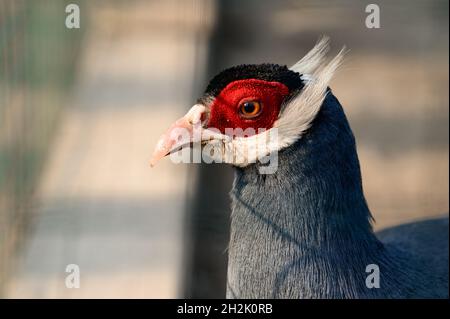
(225, 113)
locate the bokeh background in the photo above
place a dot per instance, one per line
(81, 109)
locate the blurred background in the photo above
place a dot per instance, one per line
(81, 110)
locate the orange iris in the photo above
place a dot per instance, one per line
(250, 109)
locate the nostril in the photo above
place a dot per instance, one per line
(194, 115)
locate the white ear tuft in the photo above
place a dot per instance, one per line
(314, 58)
(299, 113)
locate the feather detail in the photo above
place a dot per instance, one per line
(314, 58)
(298, 113)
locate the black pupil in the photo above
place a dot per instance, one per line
(249, 107)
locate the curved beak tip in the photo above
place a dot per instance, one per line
(168, 141)
(158, 154)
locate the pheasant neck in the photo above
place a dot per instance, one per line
(304, 231)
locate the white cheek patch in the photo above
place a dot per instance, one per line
(242, 151)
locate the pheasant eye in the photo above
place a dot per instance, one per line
(250, 109)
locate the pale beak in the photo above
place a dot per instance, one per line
(180, 134)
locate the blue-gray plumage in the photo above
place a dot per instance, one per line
(305, 231)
